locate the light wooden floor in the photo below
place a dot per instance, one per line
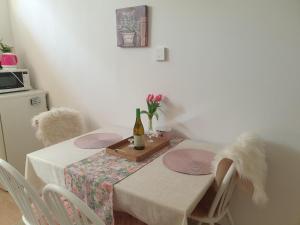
(9, 212)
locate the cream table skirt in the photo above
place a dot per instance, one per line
(153, 194)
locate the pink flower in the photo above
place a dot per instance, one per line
(158, 98)
(150, 97)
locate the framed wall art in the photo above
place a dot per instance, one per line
(132, 27)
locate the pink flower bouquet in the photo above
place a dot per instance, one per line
(153, 103)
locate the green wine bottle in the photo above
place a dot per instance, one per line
(138, 132)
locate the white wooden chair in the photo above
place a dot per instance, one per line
(215, 205)
(58, 124)
(79, 213)
(34, 210)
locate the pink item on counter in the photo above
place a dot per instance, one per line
(8, 60)
(189, 161)
(97, 140)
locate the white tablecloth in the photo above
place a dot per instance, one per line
(154, 194)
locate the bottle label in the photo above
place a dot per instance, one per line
(138, 140)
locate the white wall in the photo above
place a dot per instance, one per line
(5, 28)
(233, 67)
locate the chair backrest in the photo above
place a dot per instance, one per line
(227, 181)
(67, 208)
(58, 124)
(30, 204)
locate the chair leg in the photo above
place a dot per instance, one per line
(25, 221)
(229, 218)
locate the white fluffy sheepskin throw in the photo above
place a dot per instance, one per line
(57, 125)
(248, 156)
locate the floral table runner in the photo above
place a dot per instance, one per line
(92, 180)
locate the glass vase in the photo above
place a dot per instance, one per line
(150, 125)
(150, 132)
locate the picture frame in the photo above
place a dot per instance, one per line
(132, 27)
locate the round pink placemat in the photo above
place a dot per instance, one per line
(189, 161)
(97, 140)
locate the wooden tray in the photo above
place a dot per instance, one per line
(121, 148)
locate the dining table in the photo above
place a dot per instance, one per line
(153, 194)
